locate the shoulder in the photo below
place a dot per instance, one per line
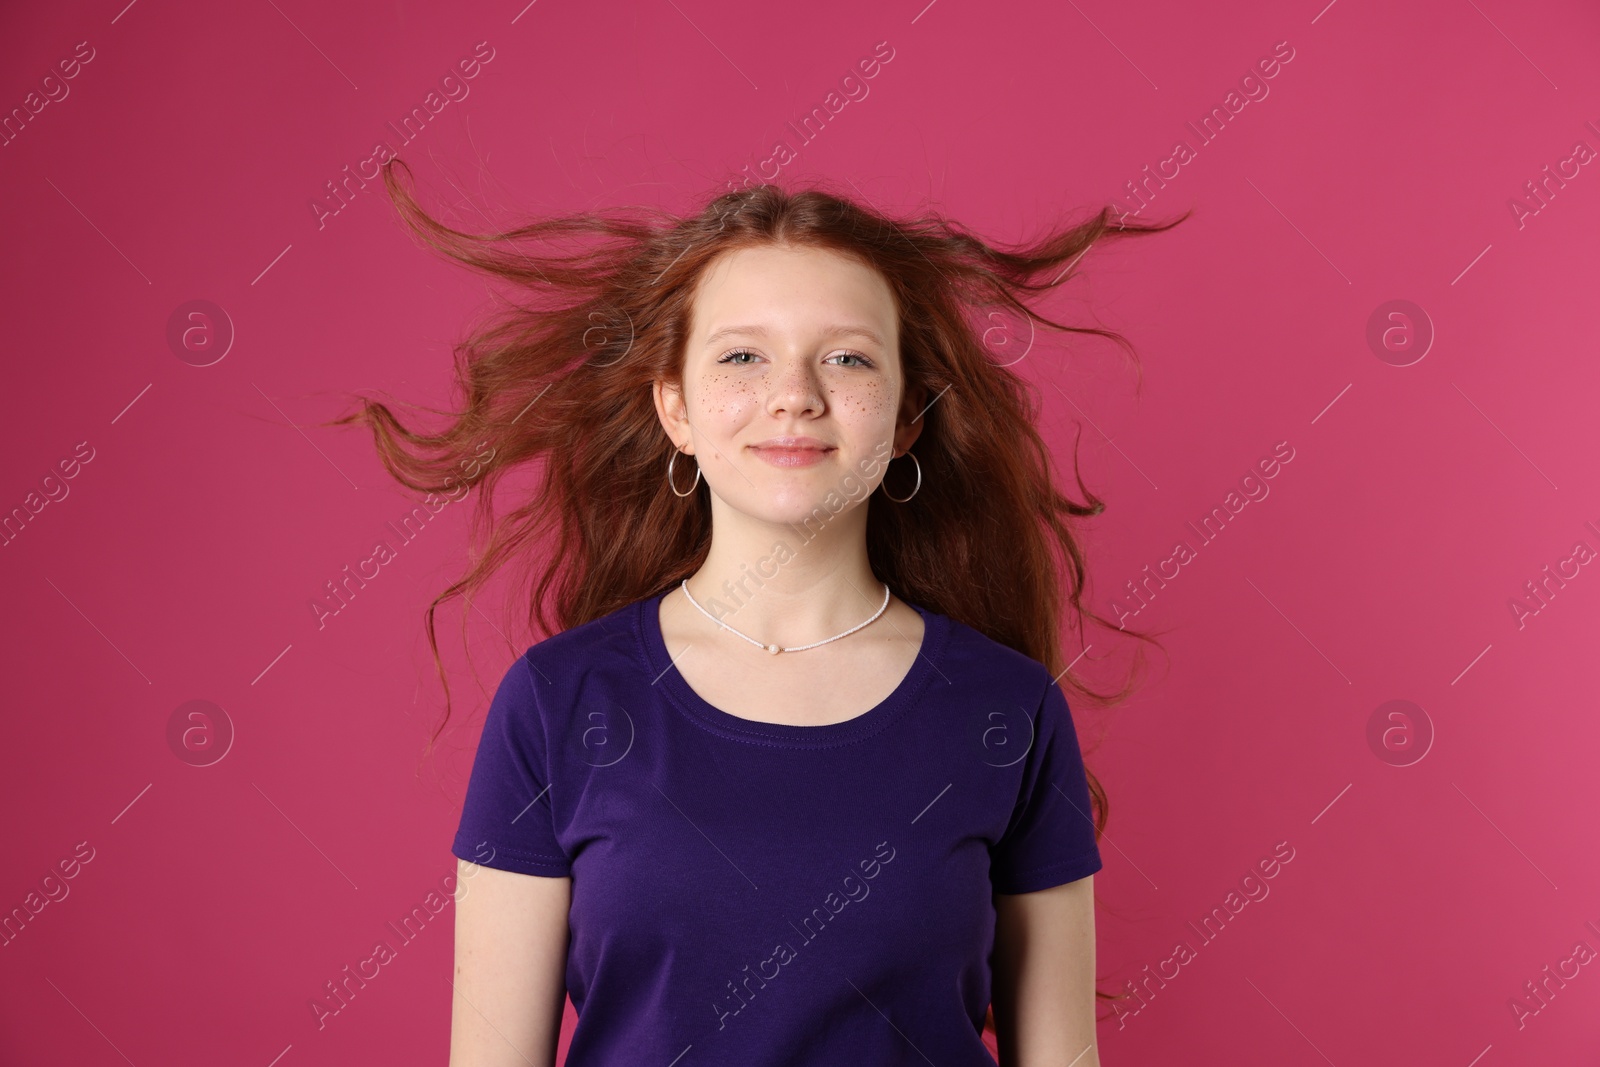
(541, 689)
(613, 625)
(610, 642)
(971, 651)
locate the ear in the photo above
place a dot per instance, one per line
(911, 418)
(673, 413)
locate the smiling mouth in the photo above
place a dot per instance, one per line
(792, 455)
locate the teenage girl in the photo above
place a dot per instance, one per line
(794, 779)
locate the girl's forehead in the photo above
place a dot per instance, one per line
(785, 287)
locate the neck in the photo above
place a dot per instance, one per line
(789, 584)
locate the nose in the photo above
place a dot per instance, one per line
(796, 389)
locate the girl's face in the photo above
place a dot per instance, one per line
(792, 383)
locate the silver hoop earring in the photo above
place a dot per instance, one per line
(673, 487)
(902, 500)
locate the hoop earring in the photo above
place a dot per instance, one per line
(673, 487)
(902, 500)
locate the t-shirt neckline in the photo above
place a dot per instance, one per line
(647, 626)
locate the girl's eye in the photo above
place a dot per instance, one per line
(731, 357)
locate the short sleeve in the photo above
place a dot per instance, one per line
(507, 821)
(1050, 839)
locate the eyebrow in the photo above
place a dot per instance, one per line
(829, 331)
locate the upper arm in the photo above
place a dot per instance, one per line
(510, 964)
(513, 894)
(1044, 991)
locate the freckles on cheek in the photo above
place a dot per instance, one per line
(870, 401)
(726, 394)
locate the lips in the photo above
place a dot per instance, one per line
(793, 444)
(792, 451)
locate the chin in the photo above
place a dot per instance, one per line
(796, 510)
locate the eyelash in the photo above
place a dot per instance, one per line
(866, 360)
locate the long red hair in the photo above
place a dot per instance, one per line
(559, 383)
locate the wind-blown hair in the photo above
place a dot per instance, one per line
(559, 381)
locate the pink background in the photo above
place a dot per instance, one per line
(1383, 565)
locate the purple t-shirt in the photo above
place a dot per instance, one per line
(762, 894)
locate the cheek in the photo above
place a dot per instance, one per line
(726, 395)
(869, 401)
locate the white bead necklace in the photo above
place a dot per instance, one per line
(775, 649)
